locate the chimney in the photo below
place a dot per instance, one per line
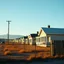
(37, 32)
(48, 26)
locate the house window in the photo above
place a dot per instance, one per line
(30, 40)
(37, 39)
(42, 39)
(26, 40)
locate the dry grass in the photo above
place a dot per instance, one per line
(31, 56)
(5, 49)
(21, 51)
(22, 48)
(7, 53)
(38, 52)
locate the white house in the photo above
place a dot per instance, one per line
(32, 39)
(24, 40)
(47, 35)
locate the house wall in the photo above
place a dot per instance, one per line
(30, 41)
(15, 40)
(22, 41)
(54, 37)
(37, 41)
(42, 33)
(57, 37)
(48, 37)
(27, 41)
(42, 39)
(58, 47)
(57, 44)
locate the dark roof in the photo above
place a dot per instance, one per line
(25, 37)
(53, 30)
(33, 35)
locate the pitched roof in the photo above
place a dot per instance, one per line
(25, 37)
(53, 30)
(33, 35)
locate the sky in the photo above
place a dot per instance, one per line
(28, 16)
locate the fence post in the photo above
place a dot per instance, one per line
(51, 48)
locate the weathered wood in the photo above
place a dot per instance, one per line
(52, 48)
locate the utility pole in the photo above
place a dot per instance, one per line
(8, 29)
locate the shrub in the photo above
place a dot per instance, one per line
(21, 51)
(31, 56)
(5, 49)
(28, 51)
(7, 53)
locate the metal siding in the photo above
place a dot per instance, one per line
(57, 37)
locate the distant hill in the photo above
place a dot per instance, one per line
(10, 36)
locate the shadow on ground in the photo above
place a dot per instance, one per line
(32, 61)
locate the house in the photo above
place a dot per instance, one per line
(52, 37)
(16, 40)
(24, 40)
(32, 39)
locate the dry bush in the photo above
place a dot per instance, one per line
(58, 56)
(45, 49)
(31, 56)
(40, 54)
(61, 56)
(7, 53)
(43, 55)
(13, 47)
(1, 45)
(21, 51)
(5, 49)
(27, 51)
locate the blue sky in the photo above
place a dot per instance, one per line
(28, 16)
